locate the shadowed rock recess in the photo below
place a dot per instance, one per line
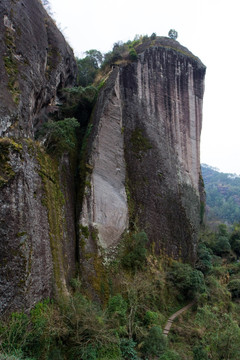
(140, 158)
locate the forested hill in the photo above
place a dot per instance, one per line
(223, 196)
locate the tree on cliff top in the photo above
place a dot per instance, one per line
(88, 67)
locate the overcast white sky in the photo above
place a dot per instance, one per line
(208, 28)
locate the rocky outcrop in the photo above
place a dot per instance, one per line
(151, 109)
(139, 159)
(36, 62)
(105, 205)
(37, 192)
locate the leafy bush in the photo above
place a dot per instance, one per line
(135, 251)
(235, 241)
(128, 351)
(117, 308)
(14, 335)
(170, 355)
(88, 67)
(89, 352)
(222, 246)
(133, 54)
(109, 351)
(234, 288)
(187, 280)
(155, 342)
(200, 353)
(151, 318)
(204, 262)
(33, 335)
(59, 136)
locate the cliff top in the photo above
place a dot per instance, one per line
(166, 42)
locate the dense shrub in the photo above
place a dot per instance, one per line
(151, 318)
(235, 241)
(204, 262)
(135, 252)
(109, 351)
(117, 308)
(186, 280)
(128, 351)
(155, 342)
(170, 355)
(200, 353)
(234, 288)
(133, 54)
(59, 136)
(88, 67)
(222, 247)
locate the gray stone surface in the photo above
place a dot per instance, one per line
(157, 101)
(37, 198)
(107, 210)
(36, 62)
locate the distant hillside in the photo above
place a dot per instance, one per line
(223, 196)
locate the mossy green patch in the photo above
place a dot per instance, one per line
(11, 66)
(53, 59)
(7, 145)
(53, 199)
(140, 144)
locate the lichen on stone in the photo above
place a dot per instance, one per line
(11, 65)
(140, 144)
(7, 146)
(53, 199)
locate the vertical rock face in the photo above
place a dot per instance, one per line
(36, 62)
(141, 158)
(105, 206)
(37, 195)
(155, 107)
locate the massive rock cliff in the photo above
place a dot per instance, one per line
(144, 152)
(138, 165)
(37, 206)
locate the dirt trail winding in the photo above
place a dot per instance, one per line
(174, 316)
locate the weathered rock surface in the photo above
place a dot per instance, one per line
(35, 63)
(37, 193)
(141, 159)
(154, 106)
(105, 207)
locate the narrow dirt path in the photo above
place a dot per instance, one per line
(174, 316)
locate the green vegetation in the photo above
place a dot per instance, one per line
(95, 65)
(140, 144)
(7, 146)
(145, 291)
(88, 67)
(135, 252)
(223, 200)
(59, 136)
(185, 280)
(11, 65)
(53, 58)
(53, 199)
(78, 102)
